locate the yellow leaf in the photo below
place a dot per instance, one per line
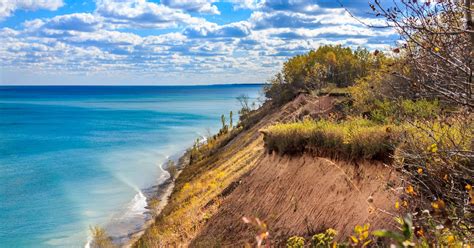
(468, 187)
(420, 171)
(436, 49)
(354, 239)
(358, 229)
(450, 239)
(433, 148)
(366, 227)
(397, 205)
(364, 235)
(410, 190)
(366, 243)
(438, 204)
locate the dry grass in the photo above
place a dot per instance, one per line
(351, 139)
(100, 238)
(196, 194)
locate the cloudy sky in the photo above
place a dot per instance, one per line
(171, 41)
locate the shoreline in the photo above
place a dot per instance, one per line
(161, 192)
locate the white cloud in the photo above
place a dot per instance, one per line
(7, 7)
(200, 6)
(211, 30)
(85, 22)
(143, 14)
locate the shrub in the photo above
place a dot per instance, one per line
(387, 111)
(352, 139)
(100, 238)
(295, 242)
(437, 157)
(324, 239)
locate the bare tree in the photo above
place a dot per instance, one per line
(439, 48)
(244, 101)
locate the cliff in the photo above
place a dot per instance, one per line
(298, 195)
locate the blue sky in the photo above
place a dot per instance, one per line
(135, 42)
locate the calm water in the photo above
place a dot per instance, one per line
(72, 157)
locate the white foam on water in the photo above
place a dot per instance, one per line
(137, 206)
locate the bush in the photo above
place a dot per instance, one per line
(352, 139)
(437, 159)
(324, 239)
(100, 238)
(387, 111)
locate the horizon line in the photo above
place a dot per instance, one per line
(125, 85)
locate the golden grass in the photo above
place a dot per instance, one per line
(352, 139)
(196, 194)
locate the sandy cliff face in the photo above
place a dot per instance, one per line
(303, 196)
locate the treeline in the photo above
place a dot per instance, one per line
(328, 65)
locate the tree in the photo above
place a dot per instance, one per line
(439, 48)
(244, 101)
(312, 71)
(231, 124)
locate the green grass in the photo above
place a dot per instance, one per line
(352, 139)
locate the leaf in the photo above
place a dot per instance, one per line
(366, 243)
(358, 229)
(407, 227)
(389, 234)
(354, 239)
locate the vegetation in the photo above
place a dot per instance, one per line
(213, 166)
(295, 242)
(438, 47)
(423, 95)
(324, 239)
(172, 169)
(100, 238)
(352, 139)
(316, 70)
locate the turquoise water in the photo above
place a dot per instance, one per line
(72, 157)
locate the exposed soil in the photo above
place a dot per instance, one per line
(303, 196)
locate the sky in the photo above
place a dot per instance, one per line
(172, 42)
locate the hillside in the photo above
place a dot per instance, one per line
(293, 195)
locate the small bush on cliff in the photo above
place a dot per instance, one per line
(324, 239)
(100, 238)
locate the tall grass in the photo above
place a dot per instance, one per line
(352, 139)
